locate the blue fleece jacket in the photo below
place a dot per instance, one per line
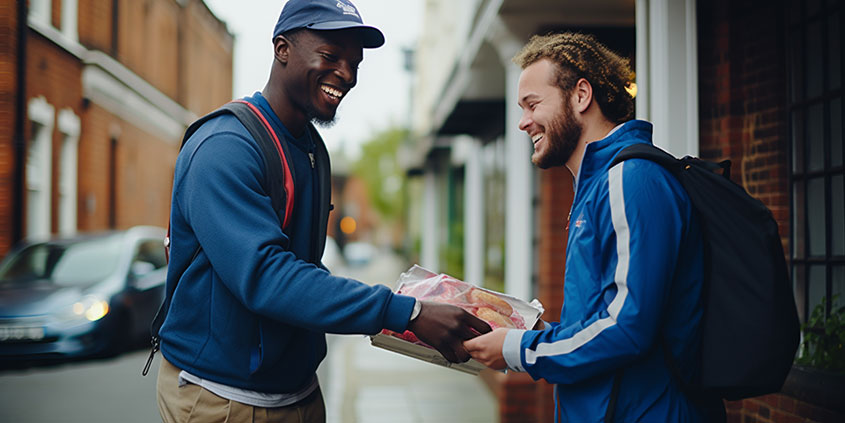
(250, 310)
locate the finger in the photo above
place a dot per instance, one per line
(467, 332)
(479, 325)
(470, 345)
(462, 354)
(448, 354)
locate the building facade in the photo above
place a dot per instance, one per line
(94, 98)
(755, 82)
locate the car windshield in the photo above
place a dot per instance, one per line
(65, 264)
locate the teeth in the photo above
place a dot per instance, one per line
(536, 138)
(331, 91)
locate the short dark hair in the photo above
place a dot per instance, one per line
(583, 56)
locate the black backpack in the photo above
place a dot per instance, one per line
(278, 182)
(750, 327)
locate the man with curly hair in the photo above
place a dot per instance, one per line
(632, 285)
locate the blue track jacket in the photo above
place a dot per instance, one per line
(633, 274)
(251, 309)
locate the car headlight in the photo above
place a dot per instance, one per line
(90, 307)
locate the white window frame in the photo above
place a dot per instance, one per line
(70, 18)
(69, 127)
(39, 168)
(40, 11)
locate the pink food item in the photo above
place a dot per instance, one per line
(487, 306)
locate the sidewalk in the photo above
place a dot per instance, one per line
(365, 384)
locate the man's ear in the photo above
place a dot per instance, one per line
(582, 95)
(281, 49)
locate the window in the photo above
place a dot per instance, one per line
(39, 168)
(68, 158)
(817, 241)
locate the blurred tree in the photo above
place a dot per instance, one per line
(381, 173)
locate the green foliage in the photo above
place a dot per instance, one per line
(382, 175)
(824, 337)
(453, 252)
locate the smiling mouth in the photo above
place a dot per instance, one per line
(333, 93)
(536, 138)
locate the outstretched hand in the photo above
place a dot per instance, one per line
(445, 327)
(487, 349)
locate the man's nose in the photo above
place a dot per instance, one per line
(525, 121)
(348, 74)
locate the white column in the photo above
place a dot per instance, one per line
(39, 168)
(673, 74)
(519, 216)
(643, 110)
(474, 216)
(69, 127)
(430, 241)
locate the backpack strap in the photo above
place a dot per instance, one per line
(668, 161)
(278, 182)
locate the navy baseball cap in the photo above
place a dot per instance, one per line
(326, 15)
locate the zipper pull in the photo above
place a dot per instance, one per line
(155, 347)
(311, 156)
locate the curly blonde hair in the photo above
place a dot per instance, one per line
(582, 56)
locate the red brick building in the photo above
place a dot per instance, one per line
(94, 98)
(757, 82)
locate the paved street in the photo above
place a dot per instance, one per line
(361, 384)
(86, 392)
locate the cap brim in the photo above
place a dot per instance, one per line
(371, 36)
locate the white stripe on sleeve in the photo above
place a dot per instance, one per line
(620, 226)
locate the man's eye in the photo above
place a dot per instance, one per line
(330, 57)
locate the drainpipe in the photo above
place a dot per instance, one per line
(19, 140)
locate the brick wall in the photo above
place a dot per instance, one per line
(204, 46)
(147, 34)
(144, 166)
(742, 91)
(56, 75)
(779, 408)
(95, 24)
(743, 116)
(521, 399)
(151, 44)
(8, 97)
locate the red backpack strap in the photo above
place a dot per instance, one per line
(281, 149)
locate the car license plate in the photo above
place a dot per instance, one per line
(21, 333)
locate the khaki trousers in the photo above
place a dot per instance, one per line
(192, 403)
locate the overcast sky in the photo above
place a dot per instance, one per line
(381, 97)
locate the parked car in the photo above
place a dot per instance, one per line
(79, 296)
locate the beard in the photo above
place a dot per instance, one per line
(562, 135)
(321, 120)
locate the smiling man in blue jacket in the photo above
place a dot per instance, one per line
(245, 329)
(634, 255)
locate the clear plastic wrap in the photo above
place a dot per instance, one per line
(498, 310)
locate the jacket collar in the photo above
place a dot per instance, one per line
(599, 154)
